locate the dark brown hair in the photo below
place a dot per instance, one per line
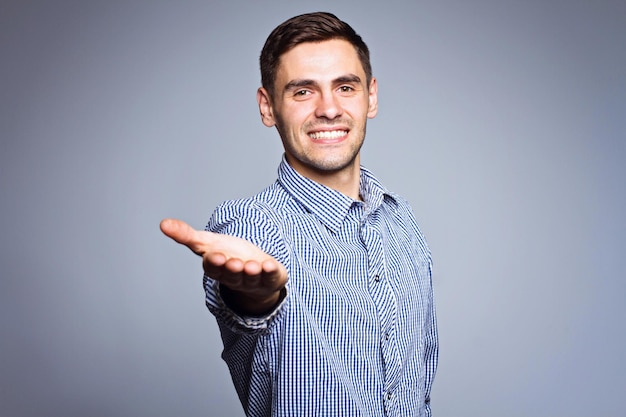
(310, 27)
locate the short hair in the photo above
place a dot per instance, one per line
(310, 27)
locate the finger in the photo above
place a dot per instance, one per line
(177, 230)
(213, 265)
(270, 266)
(252, 268)
(234, 266)
(274, 273)
(184, 234)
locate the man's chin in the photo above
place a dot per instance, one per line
(330, 166)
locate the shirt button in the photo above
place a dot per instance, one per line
(377, 278)
(386, 336)
(388, 396)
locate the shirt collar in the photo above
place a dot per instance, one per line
(330, 206)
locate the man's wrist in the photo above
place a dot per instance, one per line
(246, 305)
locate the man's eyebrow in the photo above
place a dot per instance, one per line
(349, 78)
(295, 84)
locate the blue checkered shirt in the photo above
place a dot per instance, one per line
(356, 333)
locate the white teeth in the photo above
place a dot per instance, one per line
(331, 134)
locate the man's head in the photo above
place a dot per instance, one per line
(321, 97)
(311, 27)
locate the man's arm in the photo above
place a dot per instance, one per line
(254, 280)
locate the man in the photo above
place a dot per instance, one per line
(321, 283)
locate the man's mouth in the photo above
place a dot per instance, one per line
(328, 134)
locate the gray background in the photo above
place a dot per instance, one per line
(503, 122)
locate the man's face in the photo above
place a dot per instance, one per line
(320, 106)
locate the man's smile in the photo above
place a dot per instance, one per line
(325, 135)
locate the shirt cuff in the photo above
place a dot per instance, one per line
(239, 323)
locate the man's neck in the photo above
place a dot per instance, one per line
(347, 180)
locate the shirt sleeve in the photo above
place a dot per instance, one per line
(250, 220)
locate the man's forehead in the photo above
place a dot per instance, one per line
(328, 59)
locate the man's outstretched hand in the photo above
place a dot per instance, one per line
(254, 279)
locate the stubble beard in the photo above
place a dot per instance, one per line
(331, 163)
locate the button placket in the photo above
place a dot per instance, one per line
(384, 299)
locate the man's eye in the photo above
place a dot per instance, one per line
(346, 89)
(301, 93)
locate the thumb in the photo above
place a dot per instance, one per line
(182, 233)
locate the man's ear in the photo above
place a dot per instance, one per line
(265, 107)
(372, 110)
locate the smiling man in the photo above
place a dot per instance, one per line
(321, 283)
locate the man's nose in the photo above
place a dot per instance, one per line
(328, 106)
